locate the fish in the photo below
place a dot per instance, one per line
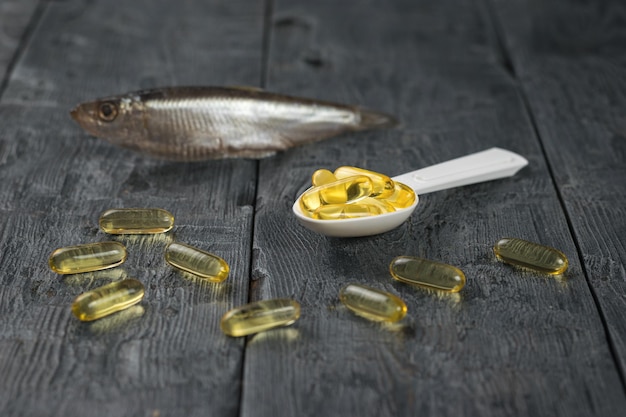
(202, 123)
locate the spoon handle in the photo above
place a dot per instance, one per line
(482, 166)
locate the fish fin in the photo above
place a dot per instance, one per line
(375, 120)
(246, 88)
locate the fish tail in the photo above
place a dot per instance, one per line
(375, 120)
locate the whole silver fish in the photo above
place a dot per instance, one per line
(198, 123)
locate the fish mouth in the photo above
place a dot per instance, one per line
(74, 113)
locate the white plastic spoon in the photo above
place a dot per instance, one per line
(482, 166)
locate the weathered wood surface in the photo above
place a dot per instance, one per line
(56, 180)
(575, 81)
(462, 77)
(512, 343)
(15, 16)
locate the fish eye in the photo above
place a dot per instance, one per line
(107, 111)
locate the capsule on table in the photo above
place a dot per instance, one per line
(372, 304)
(531, 255)
(402, 197)
(87, 258)
(346, 190)
(260, 316)
(383, 186)
(346, 211)
(321, 177)
(197, 262)
(108, 299)
(427, 273)
(136, 221)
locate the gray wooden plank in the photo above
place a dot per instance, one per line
(15, 17)
(575, 82)
(513, 342)
(168, 356)
(142, 46)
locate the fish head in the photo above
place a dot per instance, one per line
(115, 119)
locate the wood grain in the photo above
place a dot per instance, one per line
(512, 342)
(575, 83)
(167, 356)
(16, 17)
(544, 80)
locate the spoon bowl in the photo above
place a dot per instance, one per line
(361, 226)
(482, 166)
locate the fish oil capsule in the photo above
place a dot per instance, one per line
(87, 258)
(136, 221)
(372, 304)
(260, 316)
(382, 204)
(346, 211)
(321, 177)
(402, 197)
(531, 255)
(345, 190)
(197, 262)
(427, 273)
(366, 207)
(383, 186)
(108, 299)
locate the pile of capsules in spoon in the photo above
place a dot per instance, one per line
(367, 302)
(352, 192)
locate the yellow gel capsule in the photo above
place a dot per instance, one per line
(346, 211)
(346, 190)
(108, 299)
(383, 186)
(136, 221)
(427, 273)
(87, 258)
(382, 204)
(402, 197)
(321, 177)
(260, 316)
(372, 304)
(531, 255)
(197, 262)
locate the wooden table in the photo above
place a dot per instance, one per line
(544, 79)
